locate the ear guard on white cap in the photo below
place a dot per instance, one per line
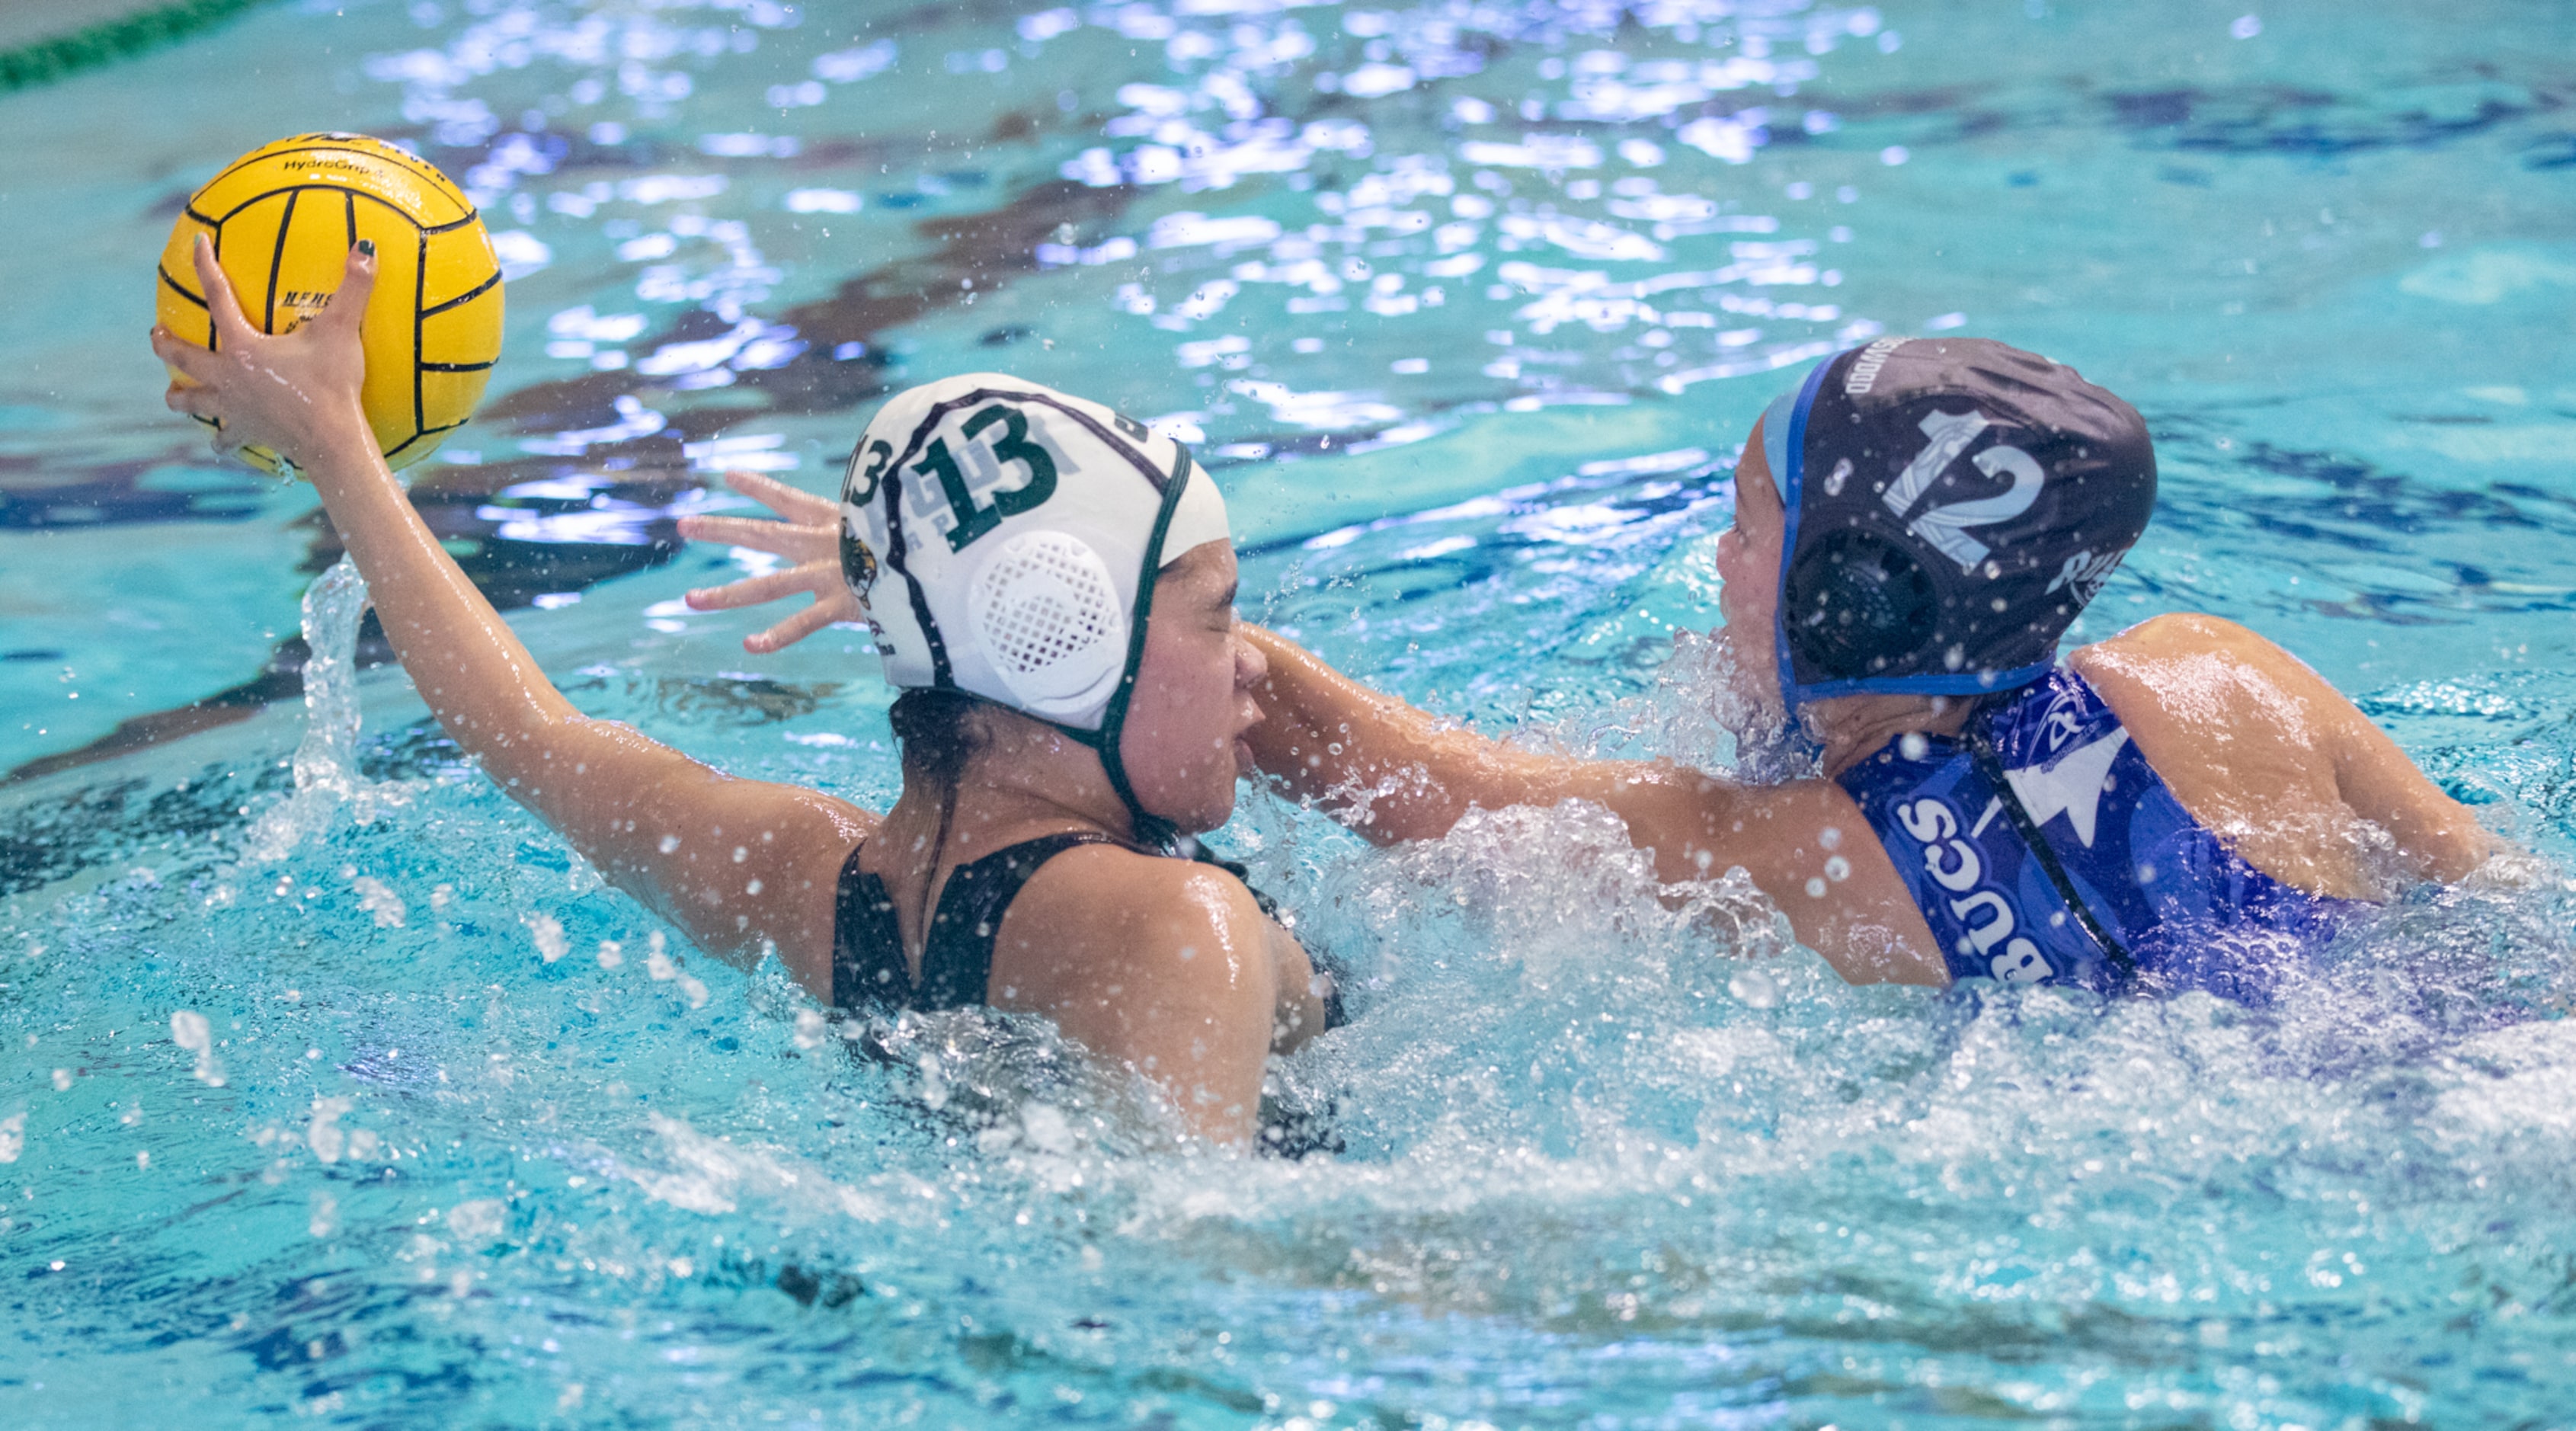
(1045, 611)
(1026, 528)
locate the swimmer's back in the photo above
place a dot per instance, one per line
(1110, 941)
(2289, 775)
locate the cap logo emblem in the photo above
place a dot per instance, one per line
(858, 564)
(1945, 526)
(1864, 369)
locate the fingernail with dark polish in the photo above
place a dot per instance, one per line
(367, 247)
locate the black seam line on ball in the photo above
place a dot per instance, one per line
(468, 296)
(276, 261)
(215, 330)
(266, 194)
(419, 293)
(176, 288)
(404, 446)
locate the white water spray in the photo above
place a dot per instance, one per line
(326, 760)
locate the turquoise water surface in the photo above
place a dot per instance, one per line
(334, 1089)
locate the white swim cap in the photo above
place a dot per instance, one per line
(1005, 538)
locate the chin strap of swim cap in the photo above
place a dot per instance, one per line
(1151, 830)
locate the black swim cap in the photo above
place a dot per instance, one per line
(1952, 504)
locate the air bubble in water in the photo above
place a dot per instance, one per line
(1754, 988)
(189, 1030)
(477, 1221)
(376, 899)
(323, 1134)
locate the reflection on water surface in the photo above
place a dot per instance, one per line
(1469, 306)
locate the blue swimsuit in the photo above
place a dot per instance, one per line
(2041, 846)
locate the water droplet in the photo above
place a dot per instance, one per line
(1754, 988)
(551, 944)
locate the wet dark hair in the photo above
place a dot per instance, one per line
(940, 734)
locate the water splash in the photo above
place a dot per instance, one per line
(190, 1031)
(327, 779)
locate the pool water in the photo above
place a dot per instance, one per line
(334, 1089)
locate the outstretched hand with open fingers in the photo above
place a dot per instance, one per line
(290, 392)
(810, 540)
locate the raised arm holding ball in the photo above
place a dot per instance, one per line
(1076, 690)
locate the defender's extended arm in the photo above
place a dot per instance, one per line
(1323, 733)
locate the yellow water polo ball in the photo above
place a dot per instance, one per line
(283, 219)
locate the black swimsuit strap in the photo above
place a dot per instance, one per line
(957, 954)
(867, 943)
(868, 964)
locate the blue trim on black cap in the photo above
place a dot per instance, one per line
(1791, 485)
(1964, 683)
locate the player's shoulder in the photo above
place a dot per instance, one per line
(1132, 893)
(2190, 669)
(2183, 638)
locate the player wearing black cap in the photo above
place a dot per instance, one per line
(1917, 524)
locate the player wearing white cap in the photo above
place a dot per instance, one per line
(1054, 589)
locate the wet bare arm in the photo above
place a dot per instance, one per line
(734, 863)
(1805, 844)
(1322, 732)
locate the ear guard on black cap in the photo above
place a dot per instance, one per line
(1855, 603)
